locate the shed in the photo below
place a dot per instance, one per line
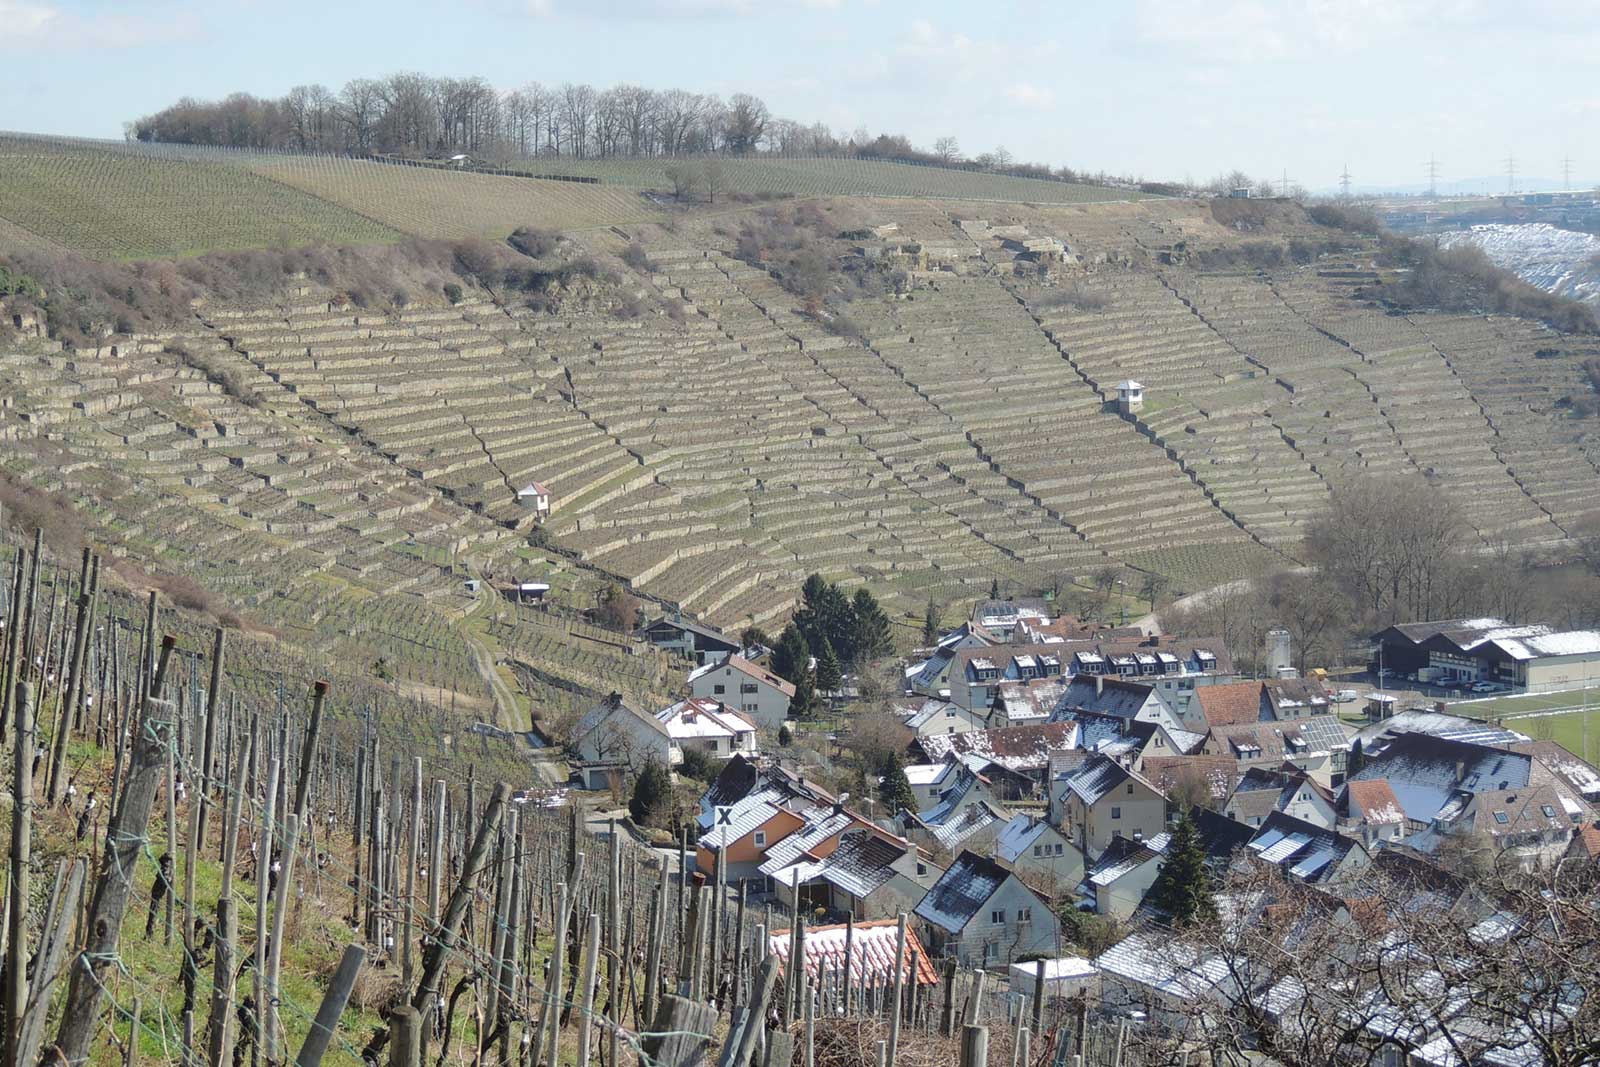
(1064, 976)
(1130, 396)
(535, 497)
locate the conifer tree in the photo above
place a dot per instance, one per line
(805, 697)
(930, 623)
(872, 637)
(1183, 888)
(792, 657)
(830, 677)
(895, 789)
(1355, 761)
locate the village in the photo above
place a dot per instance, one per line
(1057, 797)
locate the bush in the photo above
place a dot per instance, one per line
(652, 795)
(534, 242)
(218, 374)
(1461, 278)
(1352, 218)
(1072, 296)
(452, 292)
(699, 765)
(636, 257)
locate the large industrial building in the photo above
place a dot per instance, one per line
(1531, 658)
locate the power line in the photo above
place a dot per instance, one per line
(1344, 182)
(1433, 177)
(1511, 174)
(1566, 173)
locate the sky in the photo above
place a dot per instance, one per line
(1150, 88)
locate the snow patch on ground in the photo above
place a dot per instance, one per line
(1555, 260)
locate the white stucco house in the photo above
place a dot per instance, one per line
(751, 689)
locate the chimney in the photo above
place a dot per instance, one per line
(1099, 684)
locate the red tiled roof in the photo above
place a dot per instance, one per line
(1374, 801)
(1230, 703)
(871, 951)
(1586, 842)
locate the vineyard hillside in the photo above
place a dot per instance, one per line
(915, 395)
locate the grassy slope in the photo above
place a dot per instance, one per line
(838, 177)
(128, 207)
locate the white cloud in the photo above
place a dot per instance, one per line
(31, 26)
(1032, 97)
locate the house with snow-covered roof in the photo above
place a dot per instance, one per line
(1262, 791)
(943, 717)
(1318, 745)
(755, 691)
(856, 870)
(1307, 852)
(1040, 853)
(1370, 812)
(1426, 772)
(1099, 695)
(982, 915)
(1102, 800)
(1020, 753)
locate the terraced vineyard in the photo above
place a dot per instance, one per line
(716, 445)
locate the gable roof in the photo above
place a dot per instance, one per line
(700, 717)
(1098, 776)
(1585, 844)
(750, 670)
(962, 891)
(1372, 801)
(1306, 851)
(689, 626)
(1219, 835)
(1426, 771)
(1016, 748)
(1123, 856)
(862, 863)
(615, 704)
(738, 778)
(1534, 809)
(1019, 835)
(1104, 696)
(1231, 703)
(1577, 773)
(872, 950)
(933, 709)
(1219, 773)
(1279, 740)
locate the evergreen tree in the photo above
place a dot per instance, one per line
(754, 635)
(994, 589)
(785, 736)
(652, 794)
(872, 637)
(826, 614)
(930, 623)
(1183, 888)
(805, 697)
(1355, 761)
(895, 788)
(830, 678)
(792, 657)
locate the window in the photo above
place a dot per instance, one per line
(748, 687)
(1038, 850)
(997, 917)
(719, 689)
(712, 744)
(922, 869)
(1130, 789)
(1059, 847)
(1025, 915)
(1116, 813)
(759, 839)
(1549, 812)
(1501, 818)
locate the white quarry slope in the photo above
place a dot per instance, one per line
(1556, 260)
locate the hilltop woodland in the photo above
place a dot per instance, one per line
(414, 115)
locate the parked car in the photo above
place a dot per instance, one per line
(1484, 687)
(1345, 696)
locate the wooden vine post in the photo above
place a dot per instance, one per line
(124, 842)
